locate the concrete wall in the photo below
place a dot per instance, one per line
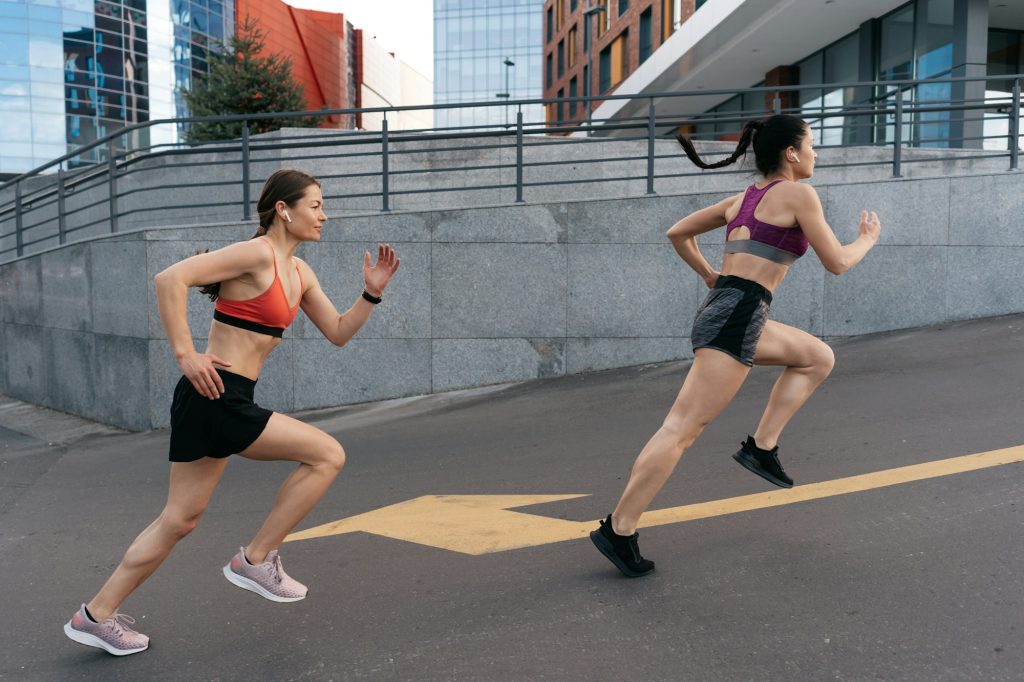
(496, 294)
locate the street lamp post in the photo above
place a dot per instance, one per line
(508, 93)
(587, 13)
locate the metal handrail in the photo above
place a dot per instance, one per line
(880, 111)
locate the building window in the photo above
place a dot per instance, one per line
(560, 14)
(842, 65)
(572, 6)
(572, 47)
(623, 7)
(558, 109)
(549, 70)
(934, 50)
(602, 18)
(572, 93)
(604, 70)
(586, 81)
(699, 4)
(1005, 57)
(561, 58)
(646, 35)
(896, 60)
(551, 24)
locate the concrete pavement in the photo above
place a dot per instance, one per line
(916, 581)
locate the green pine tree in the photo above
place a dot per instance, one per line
(242, 81)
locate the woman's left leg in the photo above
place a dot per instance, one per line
(808, 361)
(320, 458)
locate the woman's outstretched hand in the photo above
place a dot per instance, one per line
(200, 370)
(376, 277)
(869, 225)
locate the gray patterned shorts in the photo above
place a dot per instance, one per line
(732, 318)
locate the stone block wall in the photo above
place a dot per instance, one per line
(496, 294)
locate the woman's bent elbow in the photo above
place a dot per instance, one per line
(838, 267)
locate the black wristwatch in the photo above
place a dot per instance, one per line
(370, 297)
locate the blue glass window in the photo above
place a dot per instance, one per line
(38, 12)
(13, 49)
(13, 10)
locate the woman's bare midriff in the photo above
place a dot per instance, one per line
(756, 269)
(245, 350)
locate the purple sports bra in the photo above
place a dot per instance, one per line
(779, 244)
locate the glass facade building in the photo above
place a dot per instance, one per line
(472, 39)
(73, 71)
(914, 41)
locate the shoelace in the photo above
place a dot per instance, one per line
(277, 569)
(120, 622)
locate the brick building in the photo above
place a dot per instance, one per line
(617, 35)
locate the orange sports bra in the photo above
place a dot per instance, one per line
(267, 313)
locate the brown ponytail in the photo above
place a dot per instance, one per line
(741, 148)
(770, 138)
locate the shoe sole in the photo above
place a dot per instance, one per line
(92, 640)
(750, 464)
(253, 586)
(606, 548)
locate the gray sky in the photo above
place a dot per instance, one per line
(405, 27)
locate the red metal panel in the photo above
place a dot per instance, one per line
(315, 42)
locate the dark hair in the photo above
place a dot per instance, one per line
(287, 185)
(771, 136)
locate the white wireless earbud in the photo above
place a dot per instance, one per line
(287, 217)
(794, 158)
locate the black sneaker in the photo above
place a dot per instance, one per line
(621, 550)
(764, 463)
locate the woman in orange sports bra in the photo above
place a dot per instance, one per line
(768, 227)
(258, 286)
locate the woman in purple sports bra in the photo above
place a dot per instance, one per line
(768, 227)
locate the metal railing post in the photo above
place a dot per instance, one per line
(246, 200)
(18, 221)
(112, 170)
(1015, 127)
(650, 146)
(519, 156)
(777, 104)
(62, 218)
(385, 193)
(897, 137)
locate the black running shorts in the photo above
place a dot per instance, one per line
(732, 318)
(201, 427)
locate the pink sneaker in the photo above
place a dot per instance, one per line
(267, 579)
(113, 634)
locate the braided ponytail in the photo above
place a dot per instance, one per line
(770, 138)
(745, 137)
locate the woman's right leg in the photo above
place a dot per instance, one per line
(713, 380)
(191, 484)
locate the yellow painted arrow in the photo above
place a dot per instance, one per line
(482, 524)
(471, 524)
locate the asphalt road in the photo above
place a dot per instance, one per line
(915, 581)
